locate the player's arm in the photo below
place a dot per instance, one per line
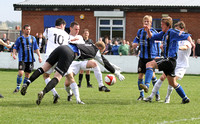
(16, 47)
(193, 45)
(4, 44)
(110, 67)
(147, 29)
(39, 56)
(185, 47)
(14, 53)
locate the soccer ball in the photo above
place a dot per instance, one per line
(110, 79)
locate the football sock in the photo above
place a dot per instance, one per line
(98, 75)
(148, 76)
(75, 91)
(156, 88)
(35, 75)
(68, 89)
(181, 92)
(54, 81)
(25, 79)
(80, 78)
(87, 76)
(53, 90)
(169, 91)
(154, 80)
(19, 81)
(140, 81)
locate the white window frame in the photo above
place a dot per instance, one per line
(111, 26)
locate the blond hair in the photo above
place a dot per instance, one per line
(149, 17)
(100, 44)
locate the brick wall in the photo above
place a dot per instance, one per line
(133, 21)
(36, 20)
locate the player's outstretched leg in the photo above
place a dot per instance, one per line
(154, 80)
(54, 81)
(34, 76)
(141, 97)
(182, 94)
(148, 77)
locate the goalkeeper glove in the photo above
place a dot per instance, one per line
(119, 76)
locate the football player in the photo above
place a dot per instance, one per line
(182, 63)
(170, 38)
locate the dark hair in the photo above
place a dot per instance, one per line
(60, 21)
(73, 23)
(180, 24)
(168, 21)
(26, 25)
(84, 30)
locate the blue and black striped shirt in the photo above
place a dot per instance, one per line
(148, 48)
(25, 47)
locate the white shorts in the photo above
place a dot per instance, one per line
(76, 66)
(180, 72)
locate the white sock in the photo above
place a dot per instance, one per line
(68, 89)
(98, 75)
(156, 87)
(169, 91)
(53, 90)
(75, 91)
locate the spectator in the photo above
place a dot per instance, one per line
(128, 43)
(108, 47)
(7, 49)
(100, 39)
(36, 35)
(192, 49)
(5, 40)
(123, 49)
(197, 49)
(41, 42)
(115, 48)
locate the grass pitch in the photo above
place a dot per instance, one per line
(116, 107)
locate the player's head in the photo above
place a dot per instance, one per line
(166, 23)
(86, 33)
(74, 28)
(180, 25)
(60, 21)
(147, 20)
(26, 29)
(100, 45)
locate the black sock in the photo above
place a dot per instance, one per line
(80, 78)
(35, 75)
(87, 76)
(52, 83)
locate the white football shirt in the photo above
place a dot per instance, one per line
(55, 37)
(79, 41)
(183, 55)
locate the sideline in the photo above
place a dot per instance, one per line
(181, 120)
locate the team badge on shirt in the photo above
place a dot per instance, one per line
(31, 41)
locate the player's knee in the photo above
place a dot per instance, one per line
(91, 64)
(45, 75)
(150, 64)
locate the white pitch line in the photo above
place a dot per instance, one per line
(175, 121)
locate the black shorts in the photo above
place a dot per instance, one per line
(142, 65)
(63, 56)
(26, 66)
(167, 65)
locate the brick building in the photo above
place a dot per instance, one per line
(118, 19)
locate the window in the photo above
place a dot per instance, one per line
(114, 28)
(157, 23)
